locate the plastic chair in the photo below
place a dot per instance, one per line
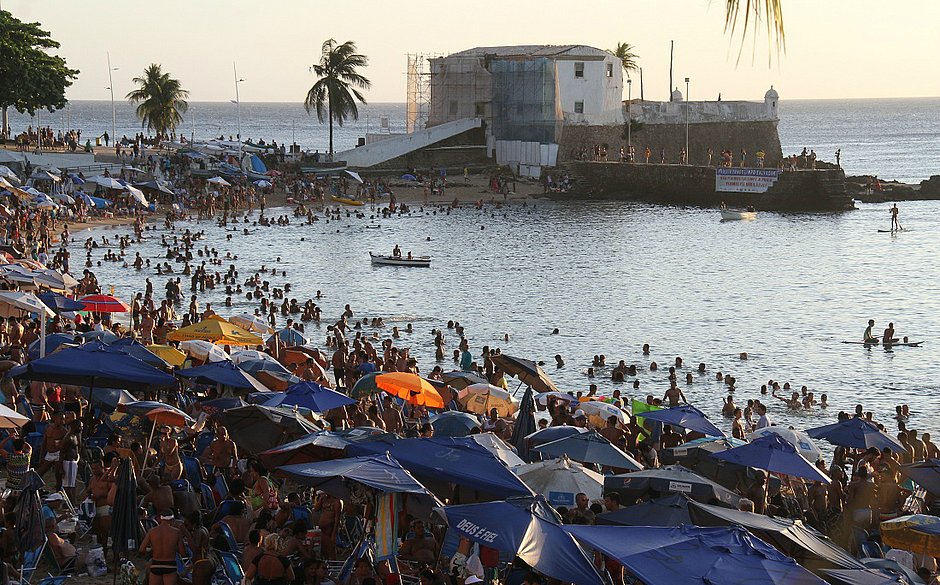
(230, 571)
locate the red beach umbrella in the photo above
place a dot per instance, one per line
(103, 304)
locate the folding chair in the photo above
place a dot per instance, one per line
(31, 563)
(203, 440)
(208, 498)
(229, 536)
(59, 569)
(871, 550)
(230, 571)
(192, 470)
(225, 508)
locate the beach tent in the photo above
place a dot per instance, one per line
(223, 373)
(320, 446)
(590, 447)
(257, 428)
(773, 453)
(310, 395)
(91, 364)
(687, 417)
(690, 555)
(462, 461)
(791, 537)
(666, 480)
(530, 529)
(856, 433)
(671, 510)
(379, 472)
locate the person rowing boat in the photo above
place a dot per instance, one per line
(868, 336)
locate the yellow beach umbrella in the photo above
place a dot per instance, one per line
(481, 398)
(918, 533)
(217, 330)
(411, 387)
(168, 353)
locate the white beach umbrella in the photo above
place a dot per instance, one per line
(481, 398)
(54, 279)
(251, 323)
(560, 480)
(10, 419)
(262, 184)
(803, 443)
(244, 355)
(137, 194)
(598, 412)
(204, 350)
(6, 173)
(109, 182)
(219, 181)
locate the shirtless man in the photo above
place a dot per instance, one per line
(420, 547)
(888, 336)
(737, 425)
(99, 488)
(51, 444)
(165, 541)
(391, 415)
(613, 433)
(674, 395)
(160, 495)
(221, 453)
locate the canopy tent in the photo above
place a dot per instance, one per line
(380, 472)
(462, 461)
(529, 528)
(217, 330)
(223, 373)
(773, 453)
(670, 479)
(94, 364)
(560, 480)
(319, 446)
(689, 555)
(259, 428)
(791, 537)
(590, 447)
(527, 371)
(671, 510)
(687, 417)
(856, 433)
(312, 396)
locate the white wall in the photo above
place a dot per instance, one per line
(602, 95)
(401, 144)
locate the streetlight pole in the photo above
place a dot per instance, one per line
(238, 112)
(629, 119)
(111, 88)
(687, 107)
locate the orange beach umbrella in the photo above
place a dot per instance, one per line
(411, 387)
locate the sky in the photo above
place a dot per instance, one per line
(835, 49)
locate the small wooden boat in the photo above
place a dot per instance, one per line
(736, 214)
(347, 201)
(419, 261)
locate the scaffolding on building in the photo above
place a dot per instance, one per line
(418, 98)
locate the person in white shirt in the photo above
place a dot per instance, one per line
(764, 420)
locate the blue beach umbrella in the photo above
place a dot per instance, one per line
(58, 302)
(549, 434)
(689, 555)
(453, 423)
(290, 337)
(590, 447)
(687, 417)
(53, 342)
(380, 472)
(671, 510)
(310, 395)
(105, 336)
(774, 454)
(320, 446)
(856, 433)
(225, 373)
(530, 529)
(926, 474)
(524, 425)
(138, 350)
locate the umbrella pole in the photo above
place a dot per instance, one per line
(516, 391)
(147, 449)
(42, 334)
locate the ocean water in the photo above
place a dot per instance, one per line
(891, 138)
(786, 289)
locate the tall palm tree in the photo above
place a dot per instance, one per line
(160, 99)
(334, 94)
(624, 52)
(770, 11)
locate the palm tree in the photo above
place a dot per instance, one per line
(624, 52)
(770, 11)
(160, 99)
(335, 93)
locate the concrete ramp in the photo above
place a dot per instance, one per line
(383, 150)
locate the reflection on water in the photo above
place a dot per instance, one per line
(786, 289)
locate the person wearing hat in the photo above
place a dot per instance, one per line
(580, 418)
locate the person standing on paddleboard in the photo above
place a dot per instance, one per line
(895, 224)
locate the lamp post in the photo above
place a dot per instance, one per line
(111, 88)
(687, 107)
(629, 118)
(238, 113)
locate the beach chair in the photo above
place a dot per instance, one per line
(229, 536)
(181, 485)
(203, 440)
(225, 508)
(871, 550)
(208, 498)
(192, 469)
(30, 563)
(230, 571)
(60, 570)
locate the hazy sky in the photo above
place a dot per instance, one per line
(835, 48)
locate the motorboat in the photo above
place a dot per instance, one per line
(420, 261)
(736, 214)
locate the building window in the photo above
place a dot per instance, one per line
(610, 70)
(578, 69)
(480, 109)
(453, 107)
(579, 107)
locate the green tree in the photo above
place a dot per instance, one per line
(334, 94)
(160, 99)
(624, 52)
(30, 78)
(768, 11)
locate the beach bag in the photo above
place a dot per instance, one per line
(95, 562)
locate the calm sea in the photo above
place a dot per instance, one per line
(890, 138)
